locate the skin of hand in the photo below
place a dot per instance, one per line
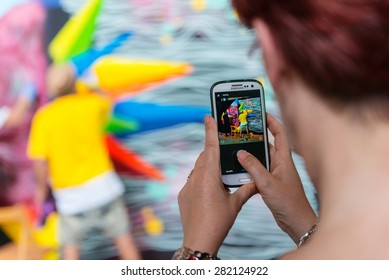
(18, 113)
(281, 189)
(208, 210)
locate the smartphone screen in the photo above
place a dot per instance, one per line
(241, 125)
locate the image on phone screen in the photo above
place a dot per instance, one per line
(240, 127)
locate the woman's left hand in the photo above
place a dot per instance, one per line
(208, 210)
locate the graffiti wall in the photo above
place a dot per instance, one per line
(158, 78)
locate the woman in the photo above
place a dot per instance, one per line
(328, 62)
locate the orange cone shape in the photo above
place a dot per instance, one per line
(123, 76)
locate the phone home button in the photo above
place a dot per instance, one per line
(245, 180)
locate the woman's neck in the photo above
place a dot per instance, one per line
(352, 179)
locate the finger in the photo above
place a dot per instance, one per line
(280, 139)
(181, 203)
(272, 150)
(243, 194)
(199, 162)
(211, 148)
(254, 167)
(190, 174)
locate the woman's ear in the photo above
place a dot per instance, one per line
(274, 62)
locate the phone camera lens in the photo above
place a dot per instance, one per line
(252, 85)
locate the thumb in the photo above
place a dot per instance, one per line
(243, 194)
(254, 167)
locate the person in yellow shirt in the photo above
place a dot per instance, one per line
(68, 149)
(243, 121)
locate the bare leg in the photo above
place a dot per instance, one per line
(71, 252)
(127, 248)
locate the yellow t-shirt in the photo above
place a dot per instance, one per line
(243, 116)
(69, 134)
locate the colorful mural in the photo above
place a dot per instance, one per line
(158, 79)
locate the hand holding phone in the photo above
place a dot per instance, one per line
(239, 109)
(208, 210)
(281, 188)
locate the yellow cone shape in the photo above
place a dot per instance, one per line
(77, 35)
(118, 75)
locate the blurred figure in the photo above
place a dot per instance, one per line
(244, 125)
(68, 149)
(21, 92)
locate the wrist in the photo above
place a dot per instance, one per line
(185, 253)
(308, 235)
(301, 226)
(202, 245)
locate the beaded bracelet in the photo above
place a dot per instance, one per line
(184, 253)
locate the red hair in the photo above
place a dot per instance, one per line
(340, 47)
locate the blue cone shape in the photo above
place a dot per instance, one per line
(152, 116)
(84, 60)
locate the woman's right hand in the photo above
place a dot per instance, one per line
(281, 188)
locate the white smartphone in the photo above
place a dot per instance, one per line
(238, 106)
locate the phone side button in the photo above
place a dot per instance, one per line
(247, 180)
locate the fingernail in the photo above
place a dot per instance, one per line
(206, 118)
(242, 153)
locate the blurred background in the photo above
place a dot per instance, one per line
(158, 81)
